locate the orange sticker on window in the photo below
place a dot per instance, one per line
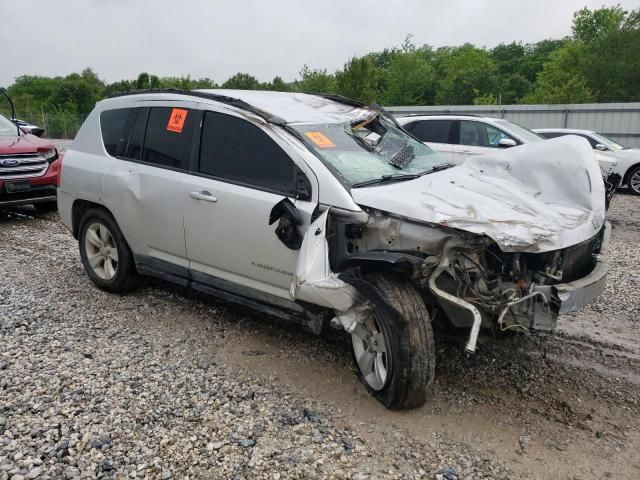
(320, 139)
(176, 120)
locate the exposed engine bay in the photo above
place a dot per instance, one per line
(469, 277)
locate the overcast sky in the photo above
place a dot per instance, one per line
(121, 38)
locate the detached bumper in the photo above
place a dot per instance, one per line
(583, 291)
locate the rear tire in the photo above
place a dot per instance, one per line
(105, 254)
(633, 180)
(401, 372)
(44, 207)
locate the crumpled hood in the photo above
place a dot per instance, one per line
(536, 197)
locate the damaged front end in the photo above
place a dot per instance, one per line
(507, 241)
(478, 285)
(468, 277)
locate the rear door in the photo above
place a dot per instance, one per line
(477, 138)
(435, 133)
(242, 173)
(143, 184)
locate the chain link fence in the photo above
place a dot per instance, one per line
(63, 125)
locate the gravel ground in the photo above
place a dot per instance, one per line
(163, 383)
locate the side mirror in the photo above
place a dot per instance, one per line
(507, 143)
(289, 218)
(601, 147)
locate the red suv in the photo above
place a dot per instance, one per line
(29, 168)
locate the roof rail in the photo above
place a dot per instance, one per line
(234, 102)
(339, 99)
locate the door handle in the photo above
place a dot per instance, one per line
(203, 195)
(466, 151)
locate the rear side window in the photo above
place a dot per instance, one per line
(236, 150)
(114, 125)
(436, 131)
(168, 137)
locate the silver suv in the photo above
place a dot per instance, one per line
(319, 210)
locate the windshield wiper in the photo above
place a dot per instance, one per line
(387, 179)
(442, 166)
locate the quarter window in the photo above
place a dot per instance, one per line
(234, 149)
(168, 137)
(113, 124)
(435, 131)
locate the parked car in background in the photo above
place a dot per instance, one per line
(459, 137)
(627, 159)
(322, 211)
(28, 127)
(29, 168)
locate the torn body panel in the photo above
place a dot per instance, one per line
(313, 281)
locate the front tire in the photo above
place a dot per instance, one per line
(633, 180)
(396, 362)
(105, 253)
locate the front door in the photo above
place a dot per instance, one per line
(476, 138)
(242, 174)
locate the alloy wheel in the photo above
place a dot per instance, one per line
(634, 181)
(101, 251)
(371, 352)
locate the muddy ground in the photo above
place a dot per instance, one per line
(547, 406)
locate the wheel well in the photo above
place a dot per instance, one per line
(406, 265)
(626, 174)
(80, 207)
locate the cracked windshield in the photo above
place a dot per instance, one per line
(370, 151)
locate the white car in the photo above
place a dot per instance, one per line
(319, 210)
(627, 159)
(458, 137)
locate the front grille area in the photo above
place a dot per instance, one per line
(576, 261)
(22, 165)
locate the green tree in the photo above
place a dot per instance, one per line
(536, 55)
(242, 81)
(561, 80)
(358, 80)
(409, 80)
(465, 73)
(315, 81)
(120, 86)
(279, 85)
(610, 57)
(591, 25)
